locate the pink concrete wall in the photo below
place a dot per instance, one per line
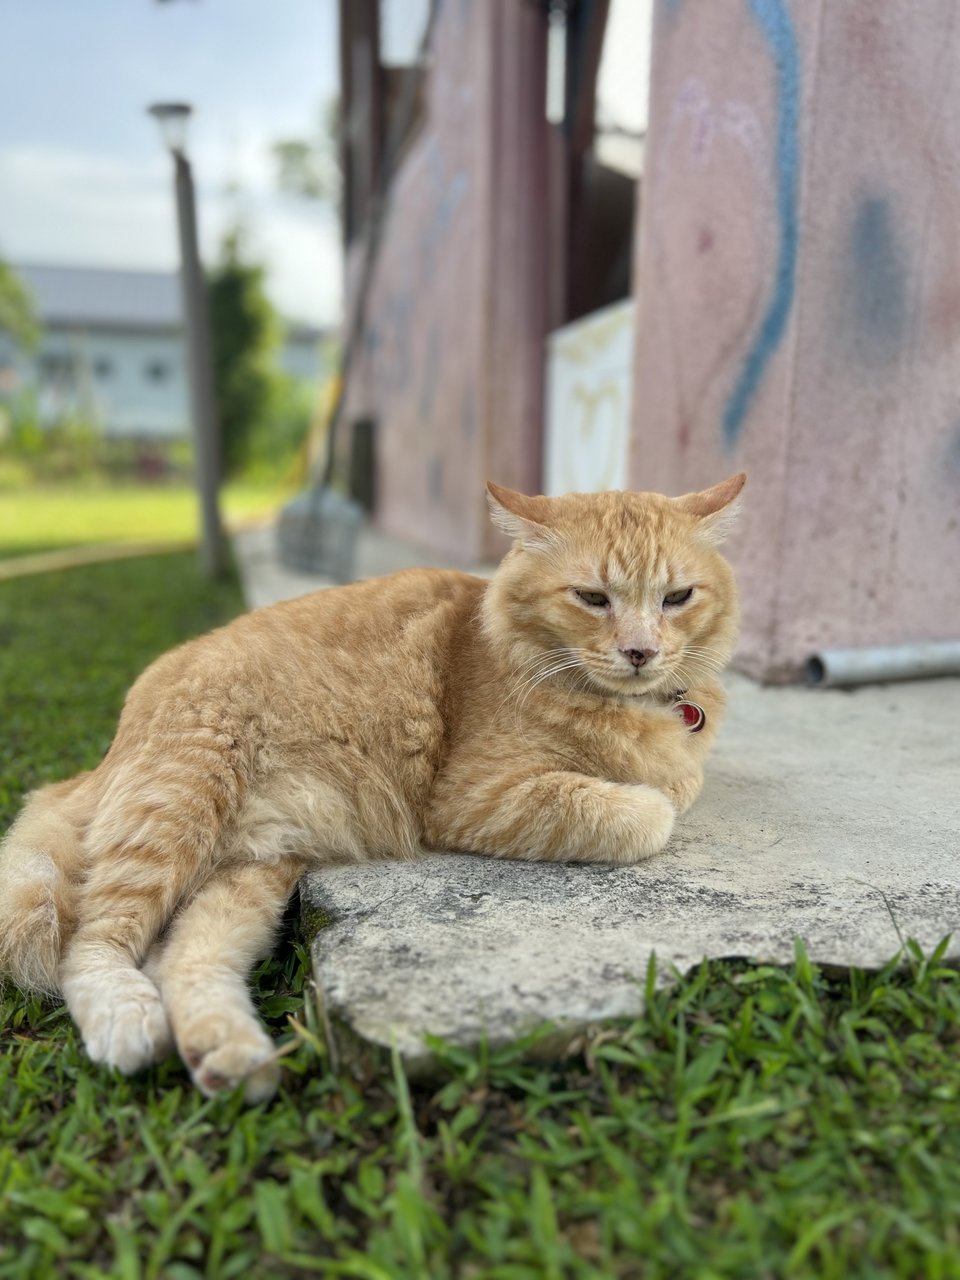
(798, 287)
(452, 357)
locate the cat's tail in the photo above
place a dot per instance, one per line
(41, 864)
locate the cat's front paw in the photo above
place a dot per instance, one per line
(684, 791)
(650, 834)
(222, 1056)
(129, 1030)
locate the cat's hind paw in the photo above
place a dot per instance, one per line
(130, 1031)
(247, 1058)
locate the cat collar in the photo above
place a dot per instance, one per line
(693, 715)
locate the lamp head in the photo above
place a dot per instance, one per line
(172, 117)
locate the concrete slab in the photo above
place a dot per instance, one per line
(827, 815)
(265, 580)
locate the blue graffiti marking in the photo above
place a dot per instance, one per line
(879, 282)
(773, 18)
(953, 449)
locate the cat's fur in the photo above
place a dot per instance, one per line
(426, 710)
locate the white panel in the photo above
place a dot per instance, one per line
(589, 378)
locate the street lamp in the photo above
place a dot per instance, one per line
(172, 117)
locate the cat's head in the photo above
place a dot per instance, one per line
(624, 593)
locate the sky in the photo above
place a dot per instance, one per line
(84, 178)
(623, 83)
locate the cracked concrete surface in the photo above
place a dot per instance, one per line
(827, 815)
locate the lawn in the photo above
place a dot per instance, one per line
(46, 518)
(754, 1122)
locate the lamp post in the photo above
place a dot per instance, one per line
(172, 117)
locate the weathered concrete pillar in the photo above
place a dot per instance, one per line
(516, 304)
(451, 369)
(798, 287)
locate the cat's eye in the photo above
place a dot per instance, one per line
(678, 597)
(596, 599)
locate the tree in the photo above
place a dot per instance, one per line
(17, 316)
(246, 333)
(310, 167)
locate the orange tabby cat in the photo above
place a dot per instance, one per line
(534, 716)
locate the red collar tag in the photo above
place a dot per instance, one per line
(694, 716)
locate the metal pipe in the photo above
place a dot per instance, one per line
(878, 664)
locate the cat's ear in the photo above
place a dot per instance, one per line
(716, 508)
(523, 518)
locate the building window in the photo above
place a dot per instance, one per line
(103, 368)
(156, 371)
(55, 367)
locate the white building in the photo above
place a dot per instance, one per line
(112, 352)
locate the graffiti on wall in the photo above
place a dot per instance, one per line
(842, 387)
(415, 251)
(875, 292)
(762, 309)
(417, 328)
(774, 20)
(701, 134)
(953, 452)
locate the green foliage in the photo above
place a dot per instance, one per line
(74, 448)
(246, 334)
(14, 475)
(275, 441)
(755, 1121)
(71, 448)
(17, 315)
(310, 167)
(264, 413)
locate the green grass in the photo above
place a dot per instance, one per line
(754, 1122)
(43, 519)
(71, 644)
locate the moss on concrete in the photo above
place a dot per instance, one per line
(313, 918)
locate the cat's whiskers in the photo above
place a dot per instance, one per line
(549, 656)
(538, 677)
(583, 676)
(528, 673)
(707, 662)
(693, 669)
(529, 664)
(528, 669)
(712, 659)
(708, 653)
(570, 662)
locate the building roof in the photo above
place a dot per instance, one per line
(103, 297)
(110, 298)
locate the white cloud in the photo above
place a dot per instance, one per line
(304, 263)
(60, 204)
(78, 207)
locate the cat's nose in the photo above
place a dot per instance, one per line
(640, 657)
